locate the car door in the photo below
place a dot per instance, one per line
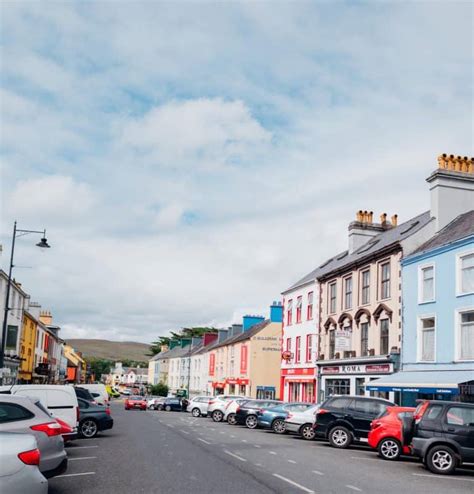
(458, 425)
(358, 415)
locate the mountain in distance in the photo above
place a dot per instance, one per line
(111, 350)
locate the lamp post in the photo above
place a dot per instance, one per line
(43, 244)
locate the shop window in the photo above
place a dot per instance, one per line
(360, 386)
(338, 387)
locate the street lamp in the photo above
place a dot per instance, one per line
(43, 244)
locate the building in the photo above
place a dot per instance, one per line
(76, 366)
(438, 318)
(199, 376)
(27, 348)
(178, 370)
(154, 365)
(299, 340)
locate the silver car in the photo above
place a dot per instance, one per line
(198, 405)
(19, 471)
(27, 415)
(302, 422)
(217, 406)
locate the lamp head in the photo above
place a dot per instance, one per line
(43, 244)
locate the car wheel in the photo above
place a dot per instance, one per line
(231, 419)
(441, 460)
(340, 437)
(160, 408)
(307, 432)
(389, 449)
(278, 426)
(88, 428)
(168, 408)
(251, 422)
(217, 416)
(196, 412)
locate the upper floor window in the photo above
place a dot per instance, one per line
(465, 342)
(385, 280)
(426, 339)
(299, 306)
(384, 336)
(426, 280)
(365, 287)
(309, 314)
(309, 347)
(465, 273)
(332, 343)
(364, 339)
(332, 298)
(348, 292)
(298, 349)
(289, 313)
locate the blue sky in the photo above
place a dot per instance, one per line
(192, 160)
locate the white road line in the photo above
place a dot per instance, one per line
(82, 447)
(448, 477)
(272, 452)
(354, 488)
(185, 432)
(233, 437)
(74, 475)
(221, 432)
(292, 461)
(203, 440)
(244, 440)
(317, 472)
(299, 486)
(169, 425)
(83, 458)
(234, 455)
(257, 445)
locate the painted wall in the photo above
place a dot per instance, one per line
(27, 347)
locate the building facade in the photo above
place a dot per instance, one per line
(27, 348)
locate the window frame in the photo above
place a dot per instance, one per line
(348, 280)
(457, 333)
(309, 308)
(362, 272)
(459, 256)
(331, 340)
(330, 297)
(298, 350)
(362, 353)
(29, 415)
(421, 269)
(309, 347)
(380, 336)
(389, 281)
(419, 342)
(289, 312)
(299, 309)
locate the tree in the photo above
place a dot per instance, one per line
(194, 332)
(159, 389)
(99, 366)
(156, 345)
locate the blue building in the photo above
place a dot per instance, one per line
(437, 347)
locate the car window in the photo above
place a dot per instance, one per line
(369, 406)
(83, 404)
(339, 402)
(403, 415)
(433, 412)
(11, 412)
(460, 416)
(41, 407)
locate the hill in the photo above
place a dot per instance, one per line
(111, 350)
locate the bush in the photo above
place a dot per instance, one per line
(159, 389)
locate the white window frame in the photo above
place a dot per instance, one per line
(459, 292)
(421, 268)
(419, 330)
(457, 333)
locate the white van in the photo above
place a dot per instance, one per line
(99, 392)
(60, 400)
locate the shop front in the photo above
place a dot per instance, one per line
(237, 386)
(218, 387)
(299, 385)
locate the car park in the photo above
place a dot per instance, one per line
(134, 402)
(23, 414)
(246, 413)
(93, 419)
(217, 406)
(386, 433)
(345, 419)
(302, 422)
(442, 434)
(274, 418)
(19, 462)
(198, 406)
(172, 405)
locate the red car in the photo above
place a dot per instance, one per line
(386, 433)
(135, 402)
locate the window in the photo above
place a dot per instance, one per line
(433, 412)
(360, 386)
(10, 412)
(384, 336)
(426, 281)
(460, 416)
(364, 339)
(332, 298)
(332, 342)
(299, 305)
(298, 349)
(288, 344)
(348, 293)
(309, 347)
(466, 274)
(385, 280)
(309, 312)
(466, 336)
(338, 387)
(426, 343)
(289, 312)
(12, 334)
(365, 287)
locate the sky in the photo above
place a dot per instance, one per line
(191, 160)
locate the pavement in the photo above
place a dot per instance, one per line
(172, 452)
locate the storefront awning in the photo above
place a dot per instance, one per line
(435, 382)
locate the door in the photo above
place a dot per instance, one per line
(364, 411)
(458, 425)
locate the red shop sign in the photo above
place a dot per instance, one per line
(377, 368)
(298, 372)
(212, 363)
(243, 382)
(243, 359)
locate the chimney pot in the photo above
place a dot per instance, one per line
(383, 218)
(395, 220)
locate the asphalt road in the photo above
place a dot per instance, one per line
(170, 452)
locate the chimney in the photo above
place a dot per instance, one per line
(209, 338)
(236, 329)
(46, 318)
(394, 220)
(362, 230)
(185, 341)
(451, 188)
(174, 344)
(250, 321)
(195, 341)
(222, 335)
(276, 312)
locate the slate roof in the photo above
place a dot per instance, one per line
(378, 243)
(246, 335)
(460, 227)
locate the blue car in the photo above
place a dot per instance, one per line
(274, 418)
(172, 405)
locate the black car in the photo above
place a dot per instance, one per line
(172, 405)
(345, 419)
(93, 418)
(441, 434)
(83, 393)
(246, 414)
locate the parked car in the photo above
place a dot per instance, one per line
(345, 419)
(66, 430)
(386, 433)
(126, 392)
(27, 415)
(172, 405)
(154, 402)
(113, 393)
(274, 418)
(246, 413)
(135, 402)
(98, 391)
(19, 462)
(231, 408)
(198, 406)
(84, 394)
(442, 434)
(217, 405)
(93, 418)
(302, 422)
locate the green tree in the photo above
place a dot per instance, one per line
(99, 366)
(194, 332)
(159, 389)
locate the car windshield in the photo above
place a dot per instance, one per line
(136, 398)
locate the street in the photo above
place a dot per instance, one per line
(171, 452)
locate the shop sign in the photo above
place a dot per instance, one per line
(243, 359)
(357, 369)
(212, 363)
(343, 340)
(298, 372)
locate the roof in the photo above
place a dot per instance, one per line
(378, 243)
(425, 379)
(246, 335)
(461, 227)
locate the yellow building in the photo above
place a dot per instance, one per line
(27, 347)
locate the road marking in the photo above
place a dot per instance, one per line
(233, 437)
(354, 488)
(83, 458)
(272, 452)
(169, 425)
(441, 477)
(185, 432)
(244, 440)
(292, 461)
(299, 486)
(74, 475)
(234, 455)
(258, 464)
(221, 432)
(203, 440)
(257, 445)
(317, 472)
(83, 447)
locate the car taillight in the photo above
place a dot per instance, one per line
(321, 411)
(418, 415)
(50, 428)
(107, 410)
(211, 402)
(289, 416)
(65, 427)
(374, 424)
(237, 410)
(77, 414)
(31, 457)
